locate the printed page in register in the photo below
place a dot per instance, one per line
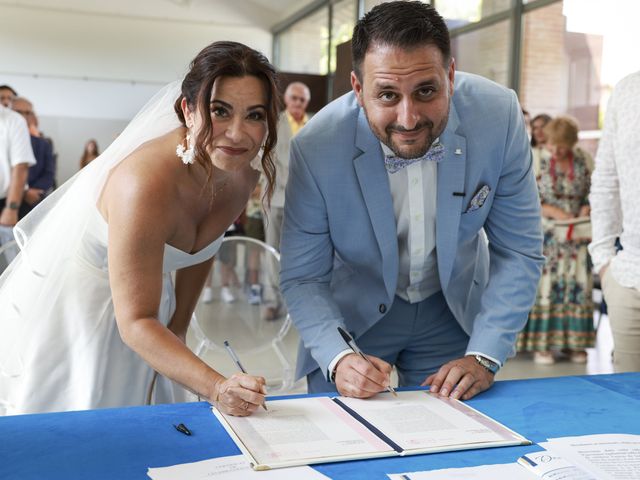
(305, 430)
(419, 420)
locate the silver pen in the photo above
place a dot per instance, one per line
(235, 358)
(352, 345)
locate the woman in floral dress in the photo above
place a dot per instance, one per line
(562, 317)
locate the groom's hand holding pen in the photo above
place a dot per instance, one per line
(359, 375)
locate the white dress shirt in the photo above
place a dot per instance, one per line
(413, 191)
(614, 186)
(15, 146)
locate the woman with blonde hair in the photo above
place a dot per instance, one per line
(562, 317)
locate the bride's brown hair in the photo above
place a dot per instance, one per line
(230, 59)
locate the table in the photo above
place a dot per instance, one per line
(122, 443)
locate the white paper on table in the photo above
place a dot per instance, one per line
(512, 471)
(419, 420)
(548, 465)
(230, 468)
(606, 456)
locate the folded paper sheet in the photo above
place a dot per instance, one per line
(229, 468)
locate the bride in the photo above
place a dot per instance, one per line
(88, 310)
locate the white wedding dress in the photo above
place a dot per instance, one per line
(59, 343)
(77, 359)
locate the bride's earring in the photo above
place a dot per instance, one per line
(187, 154)
(256, 163)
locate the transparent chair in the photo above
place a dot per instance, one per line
(8, 247)
(251, 316)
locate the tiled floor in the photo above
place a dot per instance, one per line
(268, 347)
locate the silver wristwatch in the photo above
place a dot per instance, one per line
(490, 365)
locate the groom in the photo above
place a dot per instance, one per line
(412, 218)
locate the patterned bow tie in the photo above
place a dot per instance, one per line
(394, 164)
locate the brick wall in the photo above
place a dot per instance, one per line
(544, 84)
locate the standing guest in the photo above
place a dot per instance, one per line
(90, 314)
(296, 100)
(394, 190)
(16, 156)
(562, 317)
(90, 153)
(614, 200)
(7, 94)
(539, 140)
(41, 175)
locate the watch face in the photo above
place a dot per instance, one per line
(490, 365)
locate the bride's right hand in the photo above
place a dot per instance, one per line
(240, 395)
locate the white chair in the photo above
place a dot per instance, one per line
(256, 326)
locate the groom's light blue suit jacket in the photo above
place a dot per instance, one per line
(339, 242)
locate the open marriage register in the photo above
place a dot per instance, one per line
(302, 431)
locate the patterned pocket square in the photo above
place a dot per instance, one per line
(478, 199)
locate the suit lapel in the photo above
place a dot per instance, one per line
(374, 184)
(451, 174)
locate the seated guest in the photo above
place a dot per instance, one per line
(562, 317)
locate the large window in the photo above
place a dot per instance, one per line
(343, 19)
(462, 12)
(369, 4)
(303, 47)
(573, 53)
(484, 52)
(561, 56)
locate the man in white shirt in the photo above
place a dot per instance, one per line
(614, 214)
(16, 156)
(393, 191)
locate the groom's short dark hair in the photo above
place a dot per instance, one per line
(404, 24)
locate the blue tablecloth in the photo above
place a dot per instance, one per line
(122, 443)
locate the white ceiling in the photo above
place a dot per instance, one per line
(256, 13)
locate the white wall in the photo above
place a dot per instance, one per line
(87, 74)
(70, 134)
